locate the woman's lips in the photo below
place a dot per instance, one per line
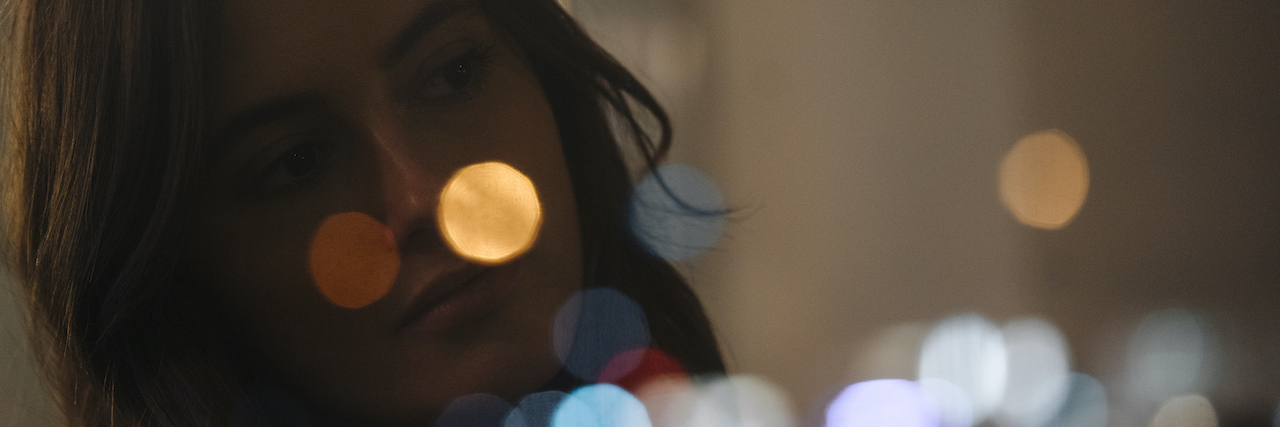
(458, 298)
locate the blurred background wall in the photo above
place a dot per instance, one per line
(861, 142)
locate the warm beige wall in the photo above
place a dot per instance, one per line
(861, 139)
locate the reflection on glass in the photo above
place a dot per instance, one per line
(489, 213)
(1044, 179)
(353, 259)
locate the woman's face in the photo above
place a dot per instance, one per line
(327, 107)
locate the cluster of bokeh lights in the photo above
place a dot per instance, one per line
(714, 401)
(969, 371)
(973, 372)
(488, 214)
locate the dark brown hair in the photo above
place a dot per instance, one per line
(107, 114)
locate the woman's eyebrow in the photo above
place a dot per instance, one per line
(248, 119)
(426, 20)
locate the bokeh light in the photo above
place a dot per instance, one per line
(677, 212)
(955, 407)
(600, 405)
(625, 372)
(1185, 411)
(969, 352)
(882, 403)
(894, 352)
(1038, 380)
(535, 410)
(595, 328)
(1085, 406)
(353, 259)
(739, 401)
(1169, 355)
(474, 410)
(1044, 179)
(669, 399)
(489, 213)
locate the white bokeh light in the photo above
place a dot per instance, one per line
(1039, 365)
(669, 399)
(955, 407)
(739, 401)
(1170, 354)
(968, 351)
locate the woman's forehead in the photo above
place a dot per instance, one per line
(308, 25)
(273, 47)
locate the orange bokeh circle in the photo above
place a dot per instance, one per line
(354, 259)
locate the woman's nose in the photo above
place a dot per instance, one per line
(408, 190)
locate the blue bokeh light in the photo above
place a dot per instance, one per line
(535, 410)
(1085, 406)
(600, 405)
(594, 327)
(677, 212)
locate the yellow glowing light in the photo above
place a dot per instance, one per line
(354, 259)
(489, 213)
(1044, 179)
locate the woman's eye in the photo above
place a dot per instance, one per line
(300, 161)
(299, 166)
(459, 77)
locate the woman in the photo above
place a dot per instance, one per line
(170, 160)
